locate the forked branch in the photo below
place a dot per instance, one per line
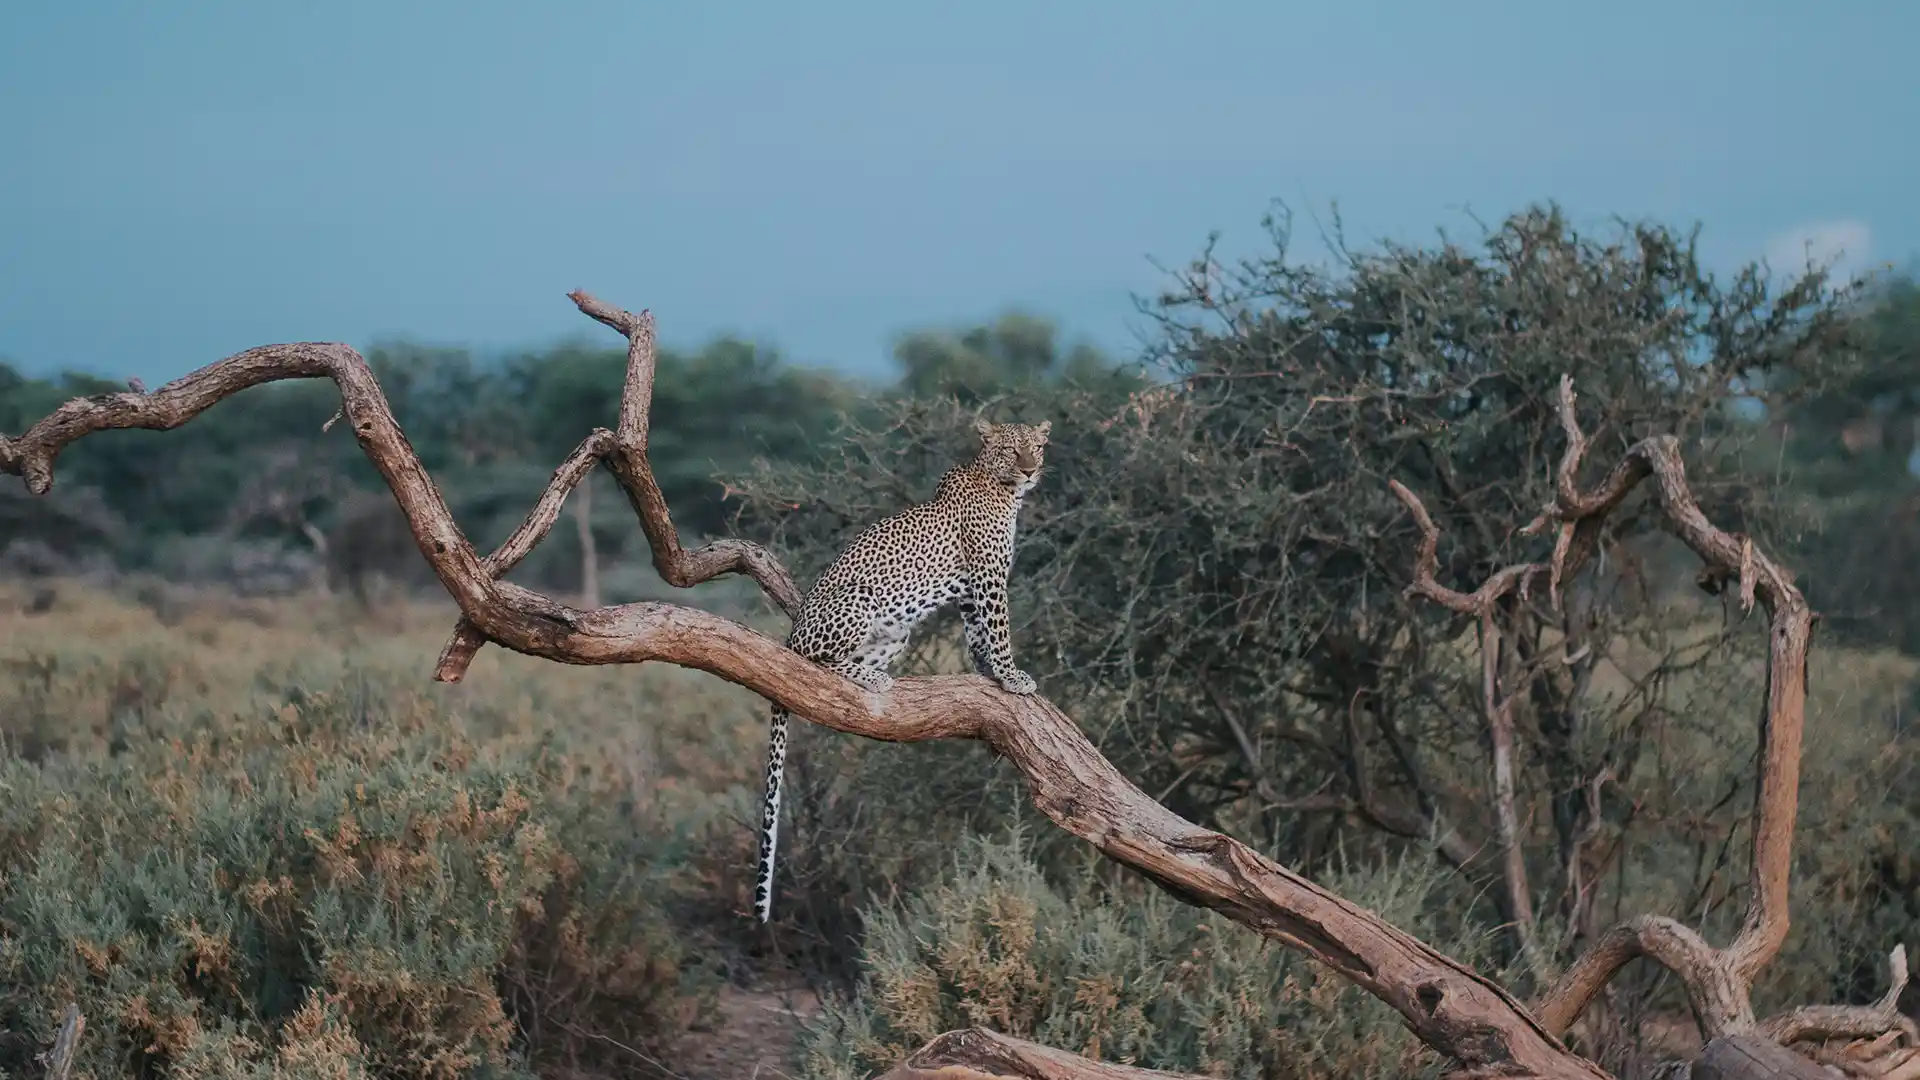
(1718, 981)
(624, 451)
(1447, 1005)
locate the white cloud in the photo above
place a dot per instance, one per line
(1843, 247)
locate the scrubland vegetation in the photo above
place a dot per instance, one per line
(246, 834)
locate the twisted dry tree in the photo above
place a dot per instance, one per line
(1482, 1028)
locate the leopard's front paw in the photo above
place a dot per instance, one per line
(1018, 682)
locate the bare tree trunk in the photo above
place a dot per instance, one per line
(1718, 981)
(589, 554)
(1499, 712)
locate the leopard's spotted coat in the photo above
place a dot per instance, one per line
(955, 549)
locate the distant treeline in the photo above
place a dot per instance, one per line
(258, 468)
(257, 473)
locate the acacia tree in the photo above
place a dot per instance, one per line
(1016, 352)
(1479, 1025)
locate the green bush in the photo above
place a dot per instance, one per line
(345, 885)
(867, 820)
(1130, 976)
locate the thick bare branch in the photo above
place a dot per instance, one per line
(1499, 713)
(1712, 989)
(1426, 564)
(1718, 981)
(978, 1054)
(1447, 1005)
(1867, 1060)
(32, 455)
(467, 639)
(1749, 1057)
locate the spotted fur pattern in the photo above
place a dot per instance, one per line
(955, 549)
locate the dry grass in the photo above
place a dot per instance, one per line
(206, 720)
(102, 670)
(75, 671)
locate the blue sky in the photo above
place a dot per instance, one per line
(181, 181)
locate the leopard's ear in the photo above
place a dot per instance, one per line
(982, 426)
(1043, 427)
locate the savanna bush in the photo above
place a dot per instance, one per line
(1212, 577)
(868, 821)
(341, 885)
(1126, 975)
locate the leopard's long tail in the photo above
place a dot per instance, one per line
(770, 812)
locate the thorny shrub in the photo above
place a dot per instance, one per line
(1128, 976)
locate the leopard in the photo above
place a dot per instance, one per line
(955, 549)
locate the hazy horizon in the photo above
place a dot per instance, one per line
(186, 183)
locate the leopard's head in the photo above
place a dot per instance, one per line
(1013, 453)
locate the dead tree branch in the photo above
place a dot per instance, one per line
(1749, 1057)
(1718, 981)
(624, 451)
(1447, 1005)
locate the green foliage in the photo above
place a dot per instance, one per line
(24, 400)
(353, 881)
(345, 884)
(1862, 428)
(1129, 976)
(1854, 449)
(1016, 354)
(1213, 571)
(842, 846)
